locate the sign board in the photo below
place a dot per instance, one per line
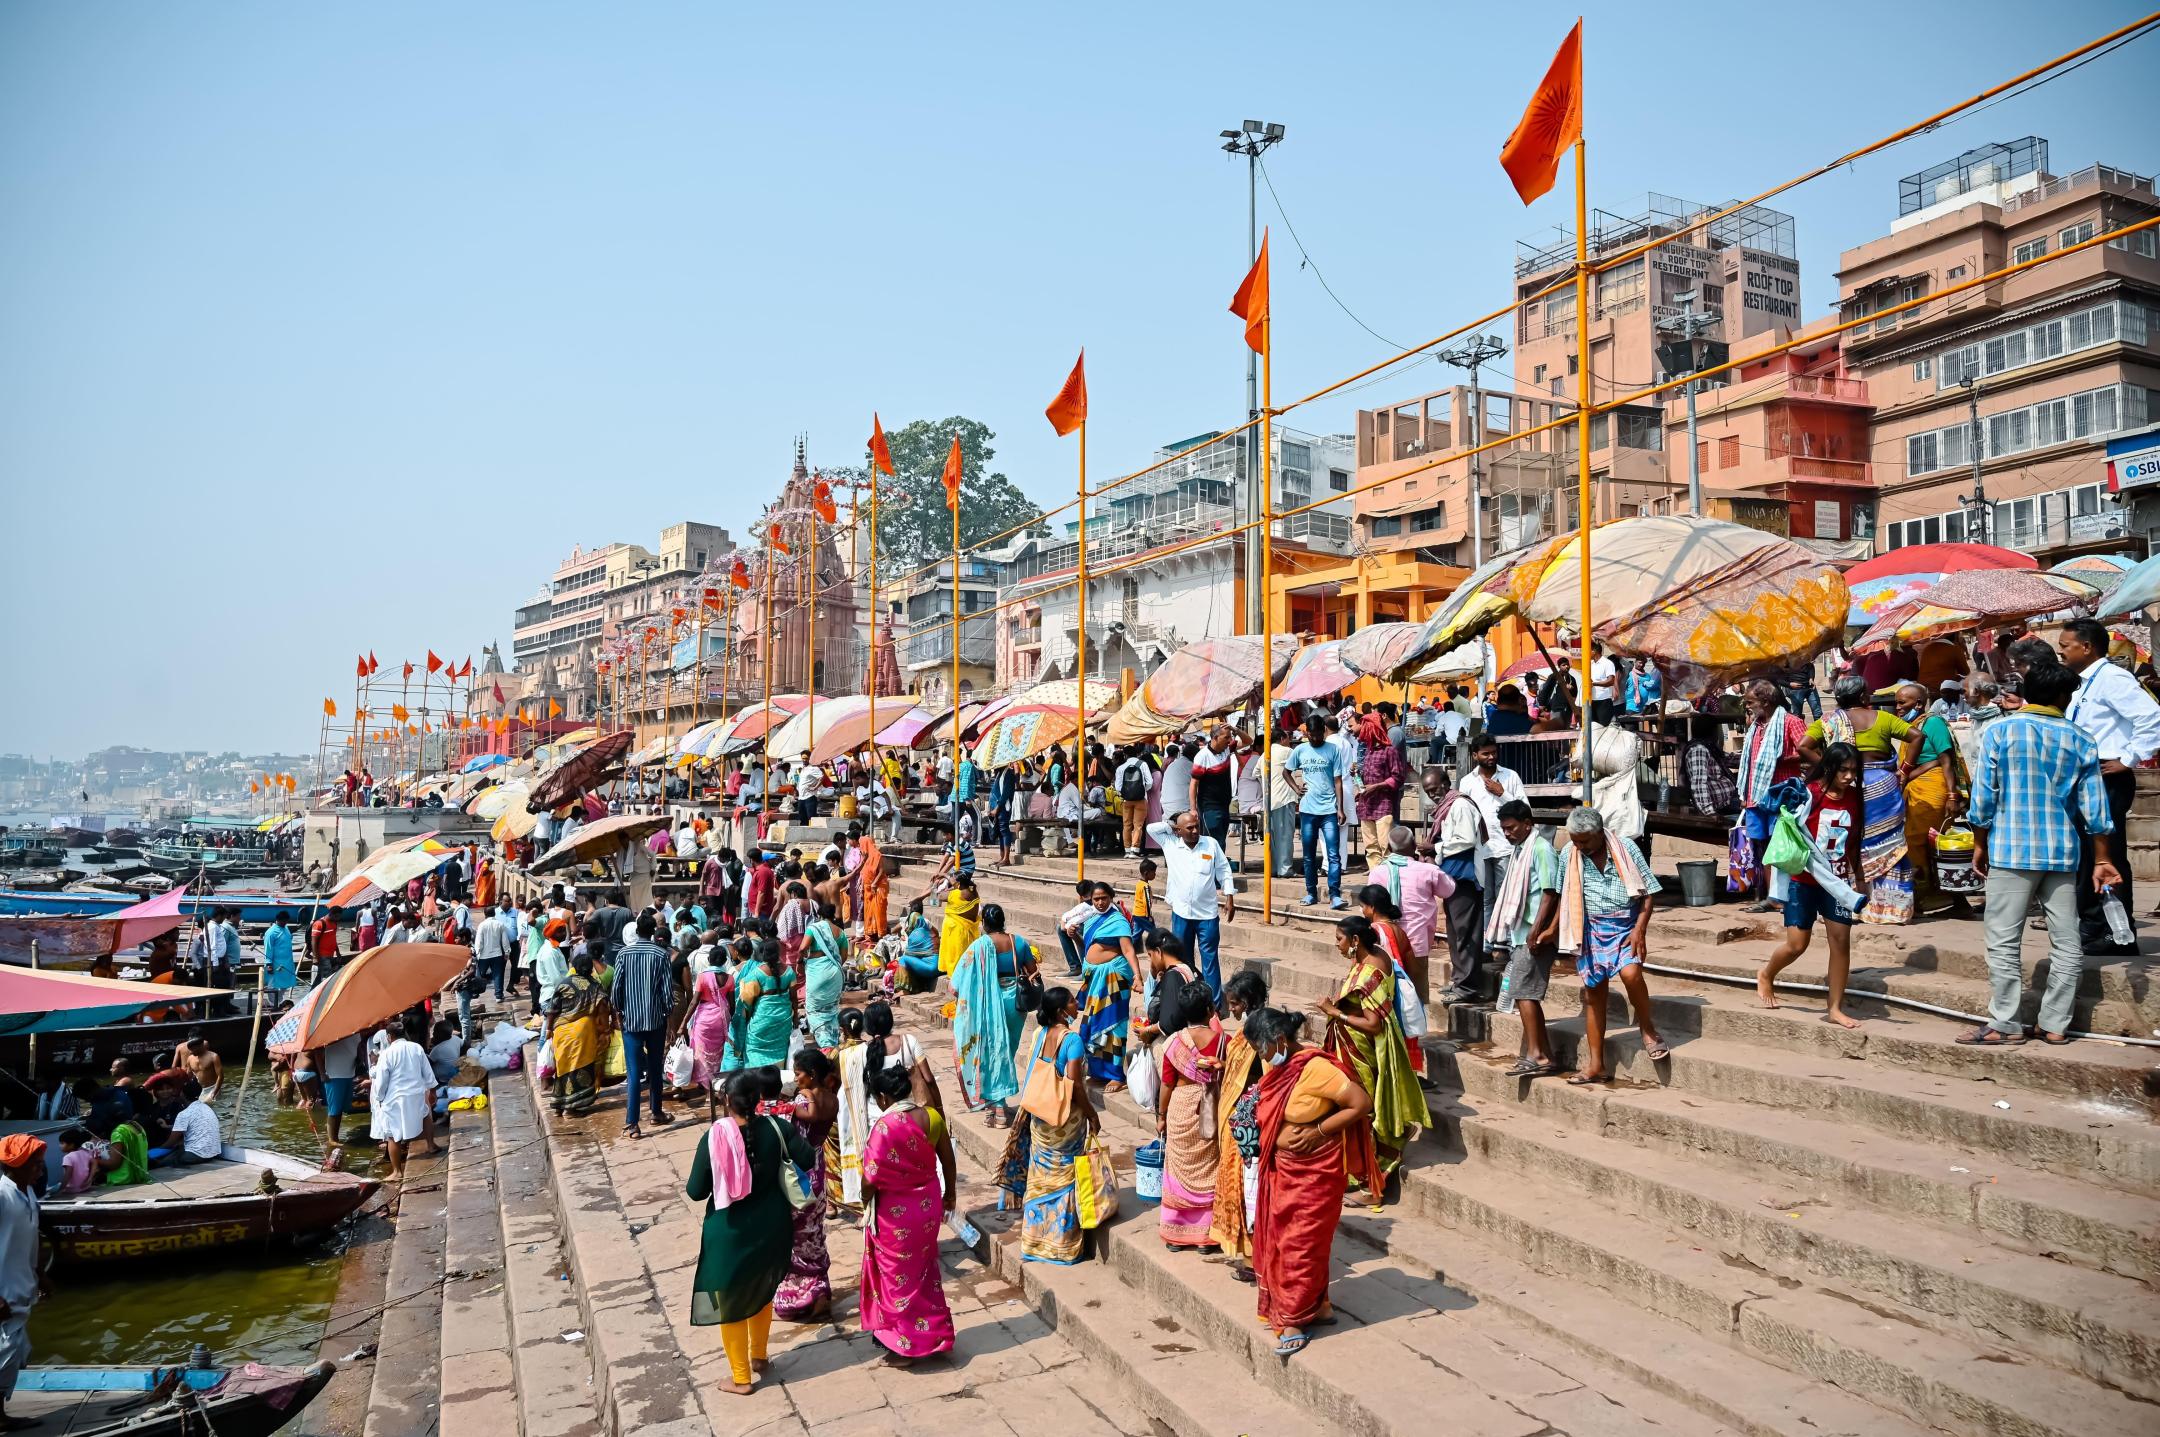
(1829, 519)
(2134, 470)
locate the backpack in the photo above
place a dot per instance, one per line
(1132, 782)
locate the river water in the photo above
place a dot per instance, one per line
(260, 1307)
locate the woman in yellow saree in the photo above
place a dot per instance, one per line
(963, 922)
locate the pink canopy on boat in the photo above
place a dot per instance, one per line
(60, 938)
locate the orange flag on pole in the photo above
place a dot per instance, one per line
(1550, 123)
(821, 500)
(433, 664)
(360, 667)
(1068, 411)
(778, 542)
(880, 451)
(1250, 303)
(554, 709)
(372, 666)
(739, 575)
(329, 708)
(952, 475)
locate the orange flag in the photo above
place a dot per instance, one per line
(952, 475)
(821, 500)
(1068, 411)
(329, 708)
(433, 663)
(739, 576)
(1550, 123)
(778, 542)
(397, 711)
(372, 666)
(554, 709)
(408, 668)
(880, 451)
(1250, 303)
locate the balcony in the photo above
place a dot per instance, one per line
(1832, 471)
(1827, 387)
(1027, 636)
(2064, 184)
(978, 645)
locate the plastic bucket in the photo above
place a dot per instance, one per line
(1698, 882)
(1147, 1172)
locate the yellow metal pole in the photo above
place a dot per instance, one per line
(810, 580)
(1582, 441)
(956, 758)
(1080, 671)
(765, 757)
(1267, 615)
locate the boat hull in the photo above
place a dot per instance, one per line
(243, 1401)
(146, 1046)
(113, 1229)
(253, 907)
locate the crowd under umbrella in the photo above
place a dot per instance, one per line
(746, 728)
(602, 838)
(374, 986)
(574, 773)
(1708, 600)
(1886, 580)
(1042, 716)
(1201, 680)
(1977, 599)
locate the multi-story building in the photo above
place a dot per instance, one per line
(1414, 473)
(1738, 276)
(1781, 443)
(1993, 406)
(595, 592)
(926, 656)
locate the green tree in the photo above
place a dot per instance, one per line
(914, 525)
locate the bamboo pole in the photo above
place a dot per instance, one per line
(1079, 669)
(1582, 438)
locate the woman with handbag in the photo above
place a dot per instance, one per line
(1314, 1118)
(764, 1017)
(988, 1016)
(1365, 1038)
(805, 1295)
(1043, 1159)
(903, 1291)
(1191, 1064)
(1108, 970)
(746, 1238)
(824, 977)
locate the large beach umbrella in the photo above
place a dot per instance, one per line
(391, 867)
(1889, 579)
(1975, 599)
(839, 725)
(493, 803)
(1478, 603)
(1047, 714)
(2138, 591)
(902, 731)
(748, 726)
(381, 983)
(1318, 670)
(599, 838)
(39, 1000)
(1461, 662)
(485, 760)
(2102, 571)
(1205, 678)
(572, 774)
(1709, 600)
(60, 938)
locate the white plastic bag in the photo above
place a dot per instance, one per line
(1408, 1010)
(1143, 1074)
(547, 1060)
(680, 1064)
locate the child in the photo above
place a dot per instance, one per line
(1834, 821)
(1143, 901)
(76, 1167)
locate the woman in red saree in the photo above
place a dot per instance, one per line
(1313, 1116)
(903, 1288)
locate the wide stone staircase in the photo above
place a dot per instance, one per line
(1784, 1228)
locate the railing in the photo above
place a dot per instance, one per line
(2063, 184)
(1806, 466)
(1544, 761)
(1825, 386)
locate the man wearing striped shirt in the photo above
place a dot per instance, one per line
(2037, 800)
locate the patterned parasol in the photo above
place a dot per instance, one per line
(1975, 599)
(1478, 603)
(1212, 676)
(1041, 716)
(1886, 580)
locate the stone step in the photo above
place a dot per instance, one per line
(555, 1392)
(1439, 1351)
(2103, 1326)
(1307, 967)
(402, 1398)
(1964, 1189)
(478, 1391)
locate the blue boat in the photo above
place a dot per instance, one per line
(253, 907)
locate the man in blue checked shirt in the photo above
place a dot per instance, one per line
(2037, 794)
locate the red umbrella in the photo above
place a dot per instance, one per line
(571, 775)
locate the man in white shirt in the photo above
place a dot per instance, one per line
(195, 1134)
(1604, 684)
(491, 948)
(22, 1168)
(1134, 780)
(1177, 780)
(1488, 785)
(1199, 889)
(1072, 809)
(2124, 721)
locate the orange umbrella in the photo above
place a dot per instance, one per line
(381, 983)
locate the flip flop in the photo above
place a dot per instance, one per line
(1291, 1344)
(1986, 1037)
(2053, 1040)
(1584, 1080)
(1657, 1054)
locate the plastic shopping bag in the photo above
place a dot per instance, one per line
(1788, 849)
(680, 1065)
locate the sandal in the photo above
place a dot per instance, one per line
(1290, 1344)
(2053, 1040)
(1525, 1068)
(1987, 1037)
(1658, 1052)
(1584, 1080)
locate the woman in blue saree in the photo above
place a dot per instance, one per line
(919, 956)
(824, 969)
(1107, 967)
(987, 1017)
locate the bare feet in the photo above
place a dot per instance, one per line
(1840, 1017)
(1765, 987)
(738, 1389)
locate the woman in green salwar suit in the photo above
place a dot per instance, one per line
(749, 1228)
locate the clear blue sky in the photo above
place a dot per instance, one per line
(327, 328)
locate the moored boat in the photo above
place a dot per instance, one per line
(254, 905)
(246, 1200)
(246, 1400)
(146, 1046)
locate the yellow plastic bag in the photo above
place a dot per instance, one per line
(1095, 1183)
(474, 1104)
(614, 1066)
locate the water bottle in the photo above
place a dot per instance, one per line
(2118, 922)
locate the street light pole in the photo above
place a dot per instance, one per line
(1977, 527)
(1472, 355)
(1253, 140)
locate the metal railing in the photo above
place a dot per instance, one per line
(1826, 386)
(2064, 184)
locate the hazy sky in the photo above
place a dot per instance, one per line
(327, 328)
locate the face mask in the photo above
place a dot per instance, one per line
(787, 1087)
(1276, 1060)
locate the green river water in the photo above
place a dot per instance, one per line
(267, 1308)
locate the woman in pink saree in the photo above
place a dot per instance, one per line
(1192, 1062)
(707, 1028)
(903, 1288)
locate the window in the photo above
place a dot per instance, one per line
(2090, 415)
(1923, 369)
(1954, 527)
(1642, 430)
(1386, 528)
(1728, 451)
(2076, 234)
(1537, 375)
(2141, 243)
(1702, 454)
(1339, 480)
(2031, 249)
(2046, 339)
(1623, 289)
(1957, 271)
(1897, 536)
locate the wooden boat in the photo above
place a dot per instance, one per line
(75, 940)
(246, 1200)
(244, 1401)
(254, 905)
(32, 849)
(146, 1046)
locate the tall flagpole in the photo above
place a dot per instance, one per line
(1267, 607)
(1582, 449)
(956, 758)
(811, 579)
(765, 758)
(875, 761)
(1080, 670)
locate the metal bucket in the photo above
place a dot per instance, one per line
(1698, 882)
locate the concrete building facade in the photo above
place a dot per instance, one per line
(1993, 407)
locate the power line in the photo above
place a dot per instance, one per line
(1306, 261)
